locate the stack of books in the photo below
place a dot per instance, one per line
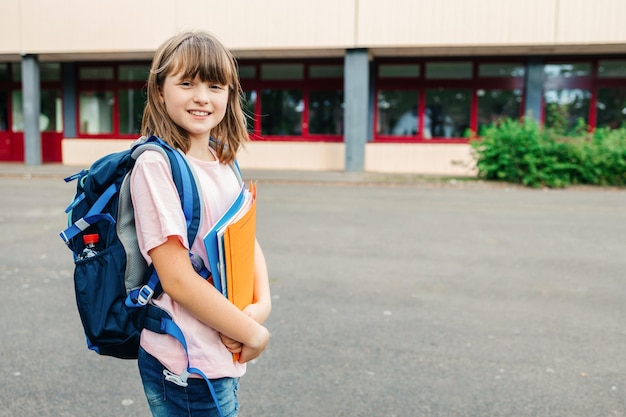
(230, 247)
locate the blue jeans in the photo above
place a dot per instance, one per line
(167, 399)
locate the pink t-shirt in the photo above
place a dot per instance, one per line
(158, 215)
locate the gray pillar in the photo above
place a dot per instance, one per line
(356, 114)
(31, 101)
(68, 75)
(533, 88)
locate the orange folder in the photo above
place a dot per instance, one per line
(239, 238)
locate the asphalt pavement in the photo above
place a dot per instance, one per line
(392, 296)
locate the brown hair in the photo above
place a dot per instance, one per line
(192, 54)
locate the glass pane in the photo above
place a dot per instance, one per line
(448, 111)
(95, 73)
(17, 114)
(448, 70)
(568, 70)
(399, 71)
(611, 107)
(96, 112)
(397, 113)
(4, 110)
(282, 71)
(249, 109)
(247, 71)
(326, 112)
(563, 108)
(501, 70)
(134, 72)
(131, 104)
(496, 104)
(326, 71)
(51, 118)
(16, 71)
(4, 72)
(50, 71)
(282, 112)
(612, 68)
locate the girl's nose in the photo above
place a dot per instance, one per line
(201, 95)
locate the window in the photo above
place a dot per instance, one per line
(326, 71)
(96, 73)
(130, 113)
(4, 110)
(96, 112)
(611, 107)
(249, 109)
(247, 71)
(612, 69)
(444, 100)
(497, 104)
(397, 113)
(326, 112)
(568, 70)
(448, 70)
(399, 71)
(17, 115)
(492, 70)
(4, 72)
(564, 108)
(282, 71)
(111, 99)
(282, 112)
(51, 118)
(447, 113)
(50, 71)
(293, 100)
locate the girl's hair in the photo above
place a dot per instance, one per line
(192, 54)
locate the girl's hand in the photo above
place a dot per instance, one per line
(232, 345)
(253, 351)
(256, 312)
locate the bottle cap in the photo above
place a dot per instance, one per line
(92, 238)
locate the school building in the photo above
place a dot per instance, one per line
(356, 85)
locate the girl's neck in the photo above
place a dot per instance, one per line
(199, 149)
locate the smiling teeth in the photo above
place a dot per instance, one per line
(199, 113)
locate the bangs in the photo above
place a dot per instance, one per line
(201, 57)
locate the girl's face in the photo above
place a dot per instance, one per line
(194, 105)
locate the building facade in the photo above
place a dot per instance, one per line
(356, 85)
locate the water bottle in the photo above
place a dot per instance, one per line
(90, 246)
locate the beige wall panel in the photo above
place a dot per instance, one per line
(273, 24)
(585, 21)
(306, 156)
(84, 152)
(455, 22)
(95, 26)
(9, 27)
(424, 159)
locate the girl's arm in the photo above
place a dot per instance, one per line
(200, 298)
(262, 303)
(260, 309)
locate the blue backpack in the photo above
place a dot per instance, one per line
(113, 283)
(103, 207)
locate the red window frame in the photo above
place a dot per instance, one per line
(307, 84)
(421, 84)
(114, 85)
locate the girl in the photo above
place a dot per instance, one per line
(194, 93)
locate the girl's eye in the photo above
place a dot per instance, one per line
(185, 83)
(217, 87)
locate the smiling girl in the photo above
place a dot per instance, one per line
(194, 94)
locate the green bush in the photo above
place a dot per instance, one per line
(523, 152)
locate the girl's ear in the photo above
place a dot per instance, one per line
(161, 98)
